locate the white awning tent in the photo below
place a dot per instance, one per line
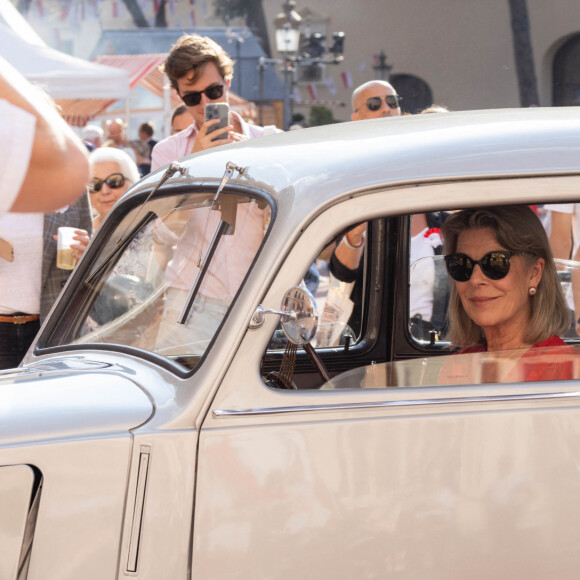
(82, 89)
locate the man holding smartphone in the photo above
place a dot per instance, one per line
(201, 72)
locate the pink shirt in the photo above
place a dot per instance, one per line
(180, 145)
(236, 252)
(232, 259)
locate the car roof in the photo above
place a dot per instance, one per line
(318, 164)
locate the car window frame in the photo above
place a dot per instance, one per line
(69, 299)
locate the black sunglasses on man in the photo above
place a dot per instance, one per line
(374, 103)
(212, 92)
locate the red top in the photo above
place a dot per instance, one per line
(541, 362)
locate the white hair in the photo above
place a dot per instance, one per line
(113, 155)
(92, 132)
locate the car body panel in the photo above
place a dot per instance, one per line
(456, 489)
(151, 470)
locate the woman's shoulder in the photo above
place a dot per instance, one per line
(552, 341)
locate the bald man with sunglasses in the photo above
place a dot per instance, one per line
(374, 100)
(201, 72)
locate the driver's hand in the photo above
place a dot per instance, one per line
(204, 141)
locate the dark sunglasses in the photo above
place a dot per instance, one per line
(374, 103)
(114, 181)
(495, 265)
(212, 93)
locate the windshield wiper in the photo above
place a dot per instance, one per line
(225, 227)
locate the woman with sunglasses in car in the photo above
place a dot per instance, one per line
(505, 292)
(113, 172)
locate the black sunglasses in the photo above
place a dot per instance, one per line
(114, 181)
(212, 93)
(374, 103)
(495, 265)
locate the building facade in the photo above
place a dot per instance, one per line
(451, 52)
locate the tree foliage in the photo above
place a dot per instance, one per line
(320, 116)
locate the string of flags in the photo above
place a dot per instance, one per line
(76, 12)
(330, 84)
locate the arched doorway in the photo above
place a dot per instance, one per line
(566, 74)
(416, 92)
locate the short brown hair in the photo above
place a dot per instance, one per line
(518, 229)
(147, 128)
(191, 53)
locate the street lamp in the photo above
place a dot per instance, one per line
(287, 42)
(311, 52)
(381, 68)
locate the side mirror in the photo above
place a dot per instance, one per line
(298, 315)
(301, 324)
(299, 320)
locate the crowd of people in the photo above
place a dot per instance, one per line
(201, 72)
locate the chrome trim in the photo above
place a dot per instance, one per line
(14, 371)
(220, 413)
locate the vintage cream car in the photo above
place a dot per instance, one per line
(185, 414)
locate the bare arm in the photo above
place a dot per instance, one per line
(58, 170)
(561, 235)
(350, 255)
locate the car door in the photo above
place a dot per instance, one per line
(386, 473)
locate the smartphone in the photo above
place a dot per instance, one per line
(219, 111)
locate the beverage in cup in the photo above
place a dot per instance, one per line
(64, 253)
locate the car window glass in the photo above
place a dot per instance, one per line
(338, 291)
(136, 297)
(510, 366)
(429, 284)
(422, 289)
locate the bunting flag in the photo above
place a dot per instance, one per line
(192, 18)
(330, 85)
(171, 7)
(312, 92)
(328, 102)
(115, 10)
(40, 8)
(296, 96)
(64, 13)
(346, 79)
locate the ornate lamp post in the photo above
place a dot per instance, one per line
(381, 68)
(287, 42)
(311, 52)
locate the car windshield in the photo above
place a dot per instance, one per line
(155, 284)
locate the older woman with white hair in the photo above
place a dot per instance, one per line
(113, 172)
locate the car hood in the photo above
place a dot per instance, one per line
(42, 403)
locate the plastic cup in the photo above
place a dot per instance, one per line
(65, 259)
